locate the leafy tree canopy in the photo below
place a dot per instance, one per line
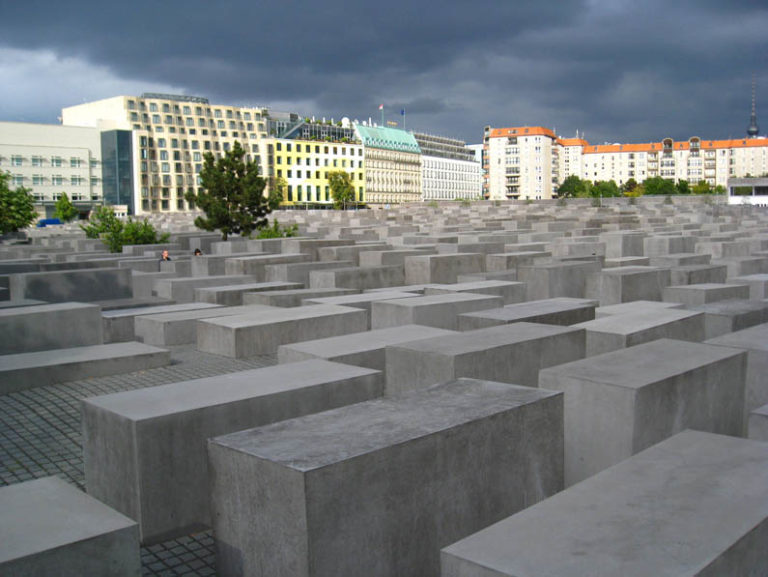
(104, 224)
(657, 185)
(65, 210)
(683, 187)
(701, 187)
(605, 188)
(17, 206)
(277, 192)
(569, 187)
(342, 190)
(231, 194)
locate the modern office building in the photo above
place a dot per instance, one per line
(50, 159)
(167, 136)
(530, 162)
(449, 170)
(392, 161)
(303, 151)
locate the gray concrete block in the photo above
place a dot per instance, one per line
(665, 245)
(757, 283)
(512, 353)
(613, 332)
(699, 294)
(390, 257)
(212, 265)
(51, 528)
(232, 295)
(758, 424)
(695, 504)
(180, 327)
(622, 402)
(558, 311)
(561, 279)
(510, 292)
(118, 324)
(512, 260)
(679, 259)
(255, 266)
(441, 268)
(182, 290)
(623, 244)
(737, 266)
(263, 332)
(366, 349)
(50, 326)
(698, 273)
(376, 488)
(625, 284)
(728, 316)
(293, 297)
(144, 450)
(754, 340)
(439, 311)
(359, 300)
(359, 278)
(69, 285)
(23, 371)
(299, 271)
(635, 307)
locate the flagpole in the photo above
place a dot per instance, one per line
(381, 108)
(403, 114)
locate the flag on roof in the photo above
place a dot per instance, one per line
(381, 107)
(402, 112)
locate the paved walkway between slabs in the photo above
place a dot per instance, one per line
(40, 436)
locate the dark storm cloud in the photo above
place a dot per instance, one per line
(619, 70)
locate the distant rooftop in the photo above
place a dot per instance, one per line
(388, 138)
(176, 97)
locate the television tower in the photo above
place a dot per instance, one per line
(753, 129)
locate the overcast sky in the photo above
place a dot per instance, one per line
(616, 70)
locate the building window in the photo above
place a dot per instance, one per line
(57, 180)
(74, 162)
(16, 160)
(56, 161)
(37, 180)
(37, 161)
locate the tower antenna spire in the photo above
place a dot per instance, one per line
(753, 130)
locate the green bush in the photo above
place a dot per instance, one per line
(278, 231)
(432, 204)
(115, 233)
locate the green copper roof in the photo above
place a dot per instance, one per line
(388, 138)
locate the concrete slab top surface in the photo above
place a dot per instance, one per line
(670, 510)
(635, 307)
(374, 339)
(203, 313)
(220, 390)
(644, 364)
(322, 439)
(630, 323)
(420, 301)
(753, 338)
(350, 300)
(160, 309)
(47, 513)
(530, 308)
(474, 285)
(45, 308)
(629, 270)
(264, 315)
(75, 355)
(487, 338)
(730, 306)
(256, 286)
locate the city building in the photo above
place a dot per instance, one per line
(50, 160)
(392, 161)
(530, 162)
(520, 162)
(449, 170)
(165, 136)
(302, 151)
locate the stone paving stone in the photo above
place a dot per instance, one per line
(40, 435)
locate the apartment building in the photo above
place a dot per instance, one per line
(165, 136)
(521, 162)
(303, 151)
(530, 162)
(392, 160)
(449, 170)
(50, 160)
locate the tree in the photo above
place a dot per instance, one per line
(65, 210)
(115, 233)
(659, 186)
(17, 206)
(276, 193)
(629, 186)
(701, 187)
(342, 190)
(231, 194)
(682, 187)
(605, 189)
(569, 187)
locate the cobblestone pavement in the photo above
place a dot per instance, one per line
(40, 436)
